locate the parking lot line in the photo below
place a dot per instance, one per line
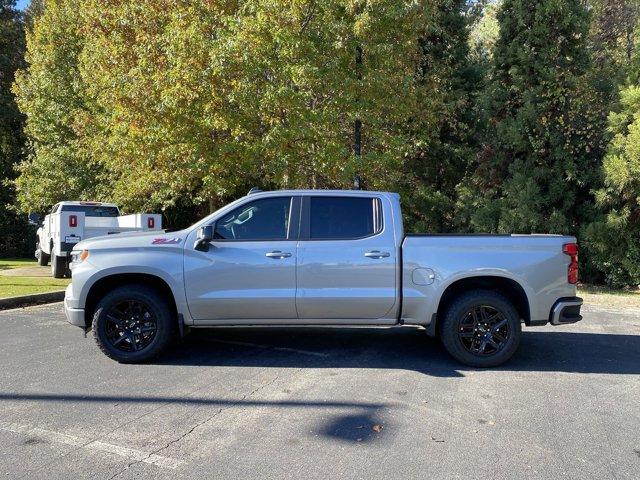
(95, 445)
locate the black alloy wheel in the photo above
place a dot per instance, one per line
(134, 323)
(483, 330)
(130, 326)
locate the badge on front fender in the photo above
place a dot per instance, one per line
(165, 241)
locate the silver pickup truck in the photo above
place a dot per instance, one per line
(308, 257)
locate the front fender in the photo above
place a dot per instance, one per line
(102, 264)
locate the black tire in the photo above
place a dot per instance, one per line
(129, 346)
(59, 266)
(469, 329)
(43, 258)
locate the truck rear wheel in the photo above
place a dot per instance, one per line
(481, 328)
(43, 258)
(133, 324)
(58, 266)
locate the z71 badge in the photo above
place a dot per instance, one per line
(165, 241)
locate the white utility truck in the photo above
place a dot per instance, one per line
(70, 222)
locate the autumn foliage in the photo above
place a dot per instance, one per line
(513, 116)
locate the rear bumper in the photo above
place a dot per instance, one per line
(566, 310)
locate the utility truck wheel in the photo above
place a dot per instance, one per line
(481, 328)
(58, 266)
(43, 258)
(133, 324)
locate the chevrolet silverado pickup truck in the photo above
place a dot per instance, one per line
(310, 257)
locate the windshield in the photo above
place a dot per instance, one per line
(92, 210)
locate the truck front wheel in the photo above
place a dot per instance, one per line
(133, 324)
(481, 328)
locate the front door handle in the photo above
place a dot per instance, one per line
(278, 254)
(376, 254)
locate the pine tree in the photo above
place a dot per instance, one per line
(613, 239)
(444, 140)
(540, 157)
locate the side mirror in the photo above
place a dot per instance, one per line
(203, 237)
(34, 219)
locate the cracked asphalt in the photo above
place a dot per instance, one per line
(320, 403)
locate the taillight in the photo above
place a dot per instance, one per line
(571, 249)
(151, 222)
(73, 221)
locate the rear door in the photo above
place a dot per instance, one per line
(346, 259)
(249, 270)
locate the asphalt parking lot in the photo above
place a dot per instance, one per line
(320, 403)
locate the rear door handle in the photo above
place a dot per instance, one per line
(377, 254)
(277, 254)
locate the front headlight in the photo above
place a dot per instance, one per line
(79, 256)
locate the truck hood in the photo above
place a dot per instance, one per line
(133, 240)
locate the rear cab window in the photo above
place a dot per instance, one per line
(343, 218)
(92, 210)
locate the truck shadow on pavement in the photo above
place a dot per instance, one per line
(406, 349)
(398, 348)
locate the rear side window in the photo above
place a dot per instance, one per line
(344, 217)
(266, 219)
(92, 210)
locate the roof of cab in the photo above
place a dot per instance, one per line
(321, 192)
(81, 202)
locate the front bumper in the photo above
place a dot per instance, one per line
(75, 316)
(566, 310)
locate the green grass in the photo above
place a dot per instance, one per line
(607, 297)
(6, 263)
(17, 286)
(600, 290)
(12, 286)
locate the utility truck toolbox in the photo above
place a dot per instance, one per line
(306, 257)
(71, 222)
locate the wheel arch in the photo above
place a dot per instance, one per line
(107, 283)
(508, 287)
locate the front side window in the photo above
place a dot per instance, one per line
(344, 217)
(265, 219)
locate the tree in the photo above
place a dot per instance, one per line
(208, 97)
(14, 232)
(484, 30)
(541, 153)
(445, 132)
(614, 239)
(51, 94)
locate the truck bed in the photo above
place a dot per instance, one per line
(431, 263)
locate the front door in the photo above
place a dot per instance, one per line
(346, 260)
(249, 270)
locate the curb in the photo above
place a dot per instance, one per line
(28, 300)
